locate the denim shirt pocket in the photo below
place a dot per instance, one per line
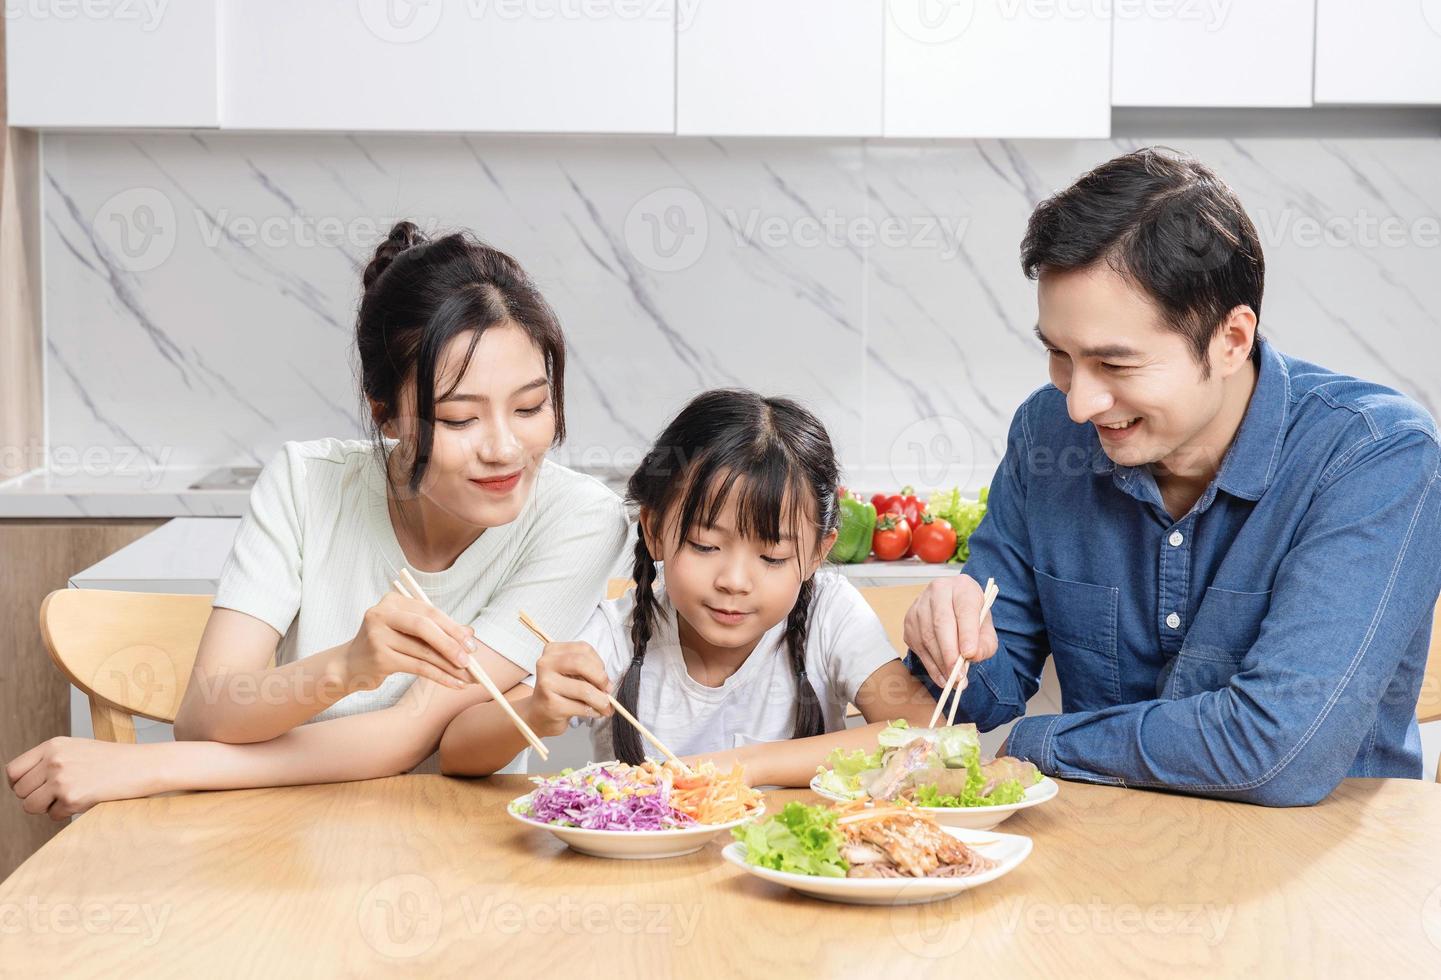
(1081, 626)
(1222, 632)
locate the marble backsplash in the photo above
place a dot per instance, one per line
(200, 288)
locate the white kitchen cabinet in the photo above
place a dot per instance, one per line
(997, 68)
(1231, 53)
(779, 68)
(424, 65)
(111, 63)
(1378, 52)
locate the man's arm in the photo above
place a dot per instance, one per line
(943, 623)
(1349, 597)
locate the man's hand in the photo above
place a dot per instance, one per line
(944, 625)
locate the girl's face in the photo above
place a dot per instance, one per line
(492, 430)
(730, 589)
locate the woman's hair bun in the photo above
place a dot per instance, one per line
(403, 235)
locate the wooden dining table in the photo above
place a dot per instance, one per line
(428, 874)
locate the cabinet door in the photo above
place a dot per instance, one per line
(111, 63)
(998, 68)
(1380, 51)
(1244, 53)
(779, 68)
(600, 66)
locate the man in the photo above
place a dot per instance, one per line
(1232, 555)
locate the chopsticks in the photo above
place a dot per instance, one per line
(958, 672)
(407, 586)
(541, 634)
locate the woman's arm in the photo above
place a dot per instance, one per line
(234, 697)
(65, 776)
(889, 694)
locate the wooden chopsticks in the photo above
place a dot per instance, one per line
(407, 586)
(958, 672)
(531, 625)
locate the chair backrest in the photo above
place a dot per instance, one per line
(890, 603)
(618, 587)
(129, 652)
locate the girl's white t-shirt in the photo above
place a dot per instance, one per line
(846, 643)
(316, 549)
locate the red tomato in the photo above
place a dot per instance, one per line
(892, 538)
(935, 540)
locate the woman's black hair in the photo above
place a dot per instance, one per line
(777, 459)
(419, 295)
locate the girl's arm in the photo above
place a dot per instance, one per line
(65, 776)
(889, 694)
(570, 682)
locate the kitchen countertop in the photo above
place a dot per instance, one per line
(185, 556)
(136, 494)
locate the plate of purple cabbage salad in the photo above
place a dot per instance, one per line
(653, 810)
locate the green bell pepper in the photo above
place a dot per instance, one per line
(858, 523)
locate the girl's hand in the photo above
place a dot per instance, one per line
(570, 682)
(66, 776)
(407, 636)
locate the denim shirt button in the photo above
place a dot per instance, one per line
(1176, 538)
(1173, 621)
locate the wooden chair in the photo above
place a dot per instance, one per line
(129, 652)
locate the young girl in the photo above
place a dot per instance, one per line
(462, 364)
(732, 645)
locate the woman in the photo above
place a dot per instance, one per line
(462, 364)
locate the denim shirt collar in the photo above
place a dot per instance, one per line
(1250, 463)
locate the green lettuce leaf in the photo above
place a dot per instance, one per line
(842, 772)
(800, 839)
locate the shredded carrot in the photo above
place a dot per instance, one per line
(709, 796)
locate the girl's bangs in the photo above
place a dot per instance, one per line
(768, 488)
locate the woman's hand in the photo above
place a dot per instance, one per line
(407, 636)
(66, 776)
(570, 682)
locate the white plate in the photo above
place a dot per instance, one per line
(970, 817)
(635, 845)
(1007, 849)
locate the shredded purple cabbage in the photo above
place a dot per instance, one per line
(575, 800)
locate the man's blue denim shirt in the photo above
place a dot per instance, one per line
(1263, 647)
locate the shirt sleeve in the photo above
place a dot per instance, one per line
(559, 580)
(1358, 583)
(851, 637)
(261, 576)
(998, 688)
